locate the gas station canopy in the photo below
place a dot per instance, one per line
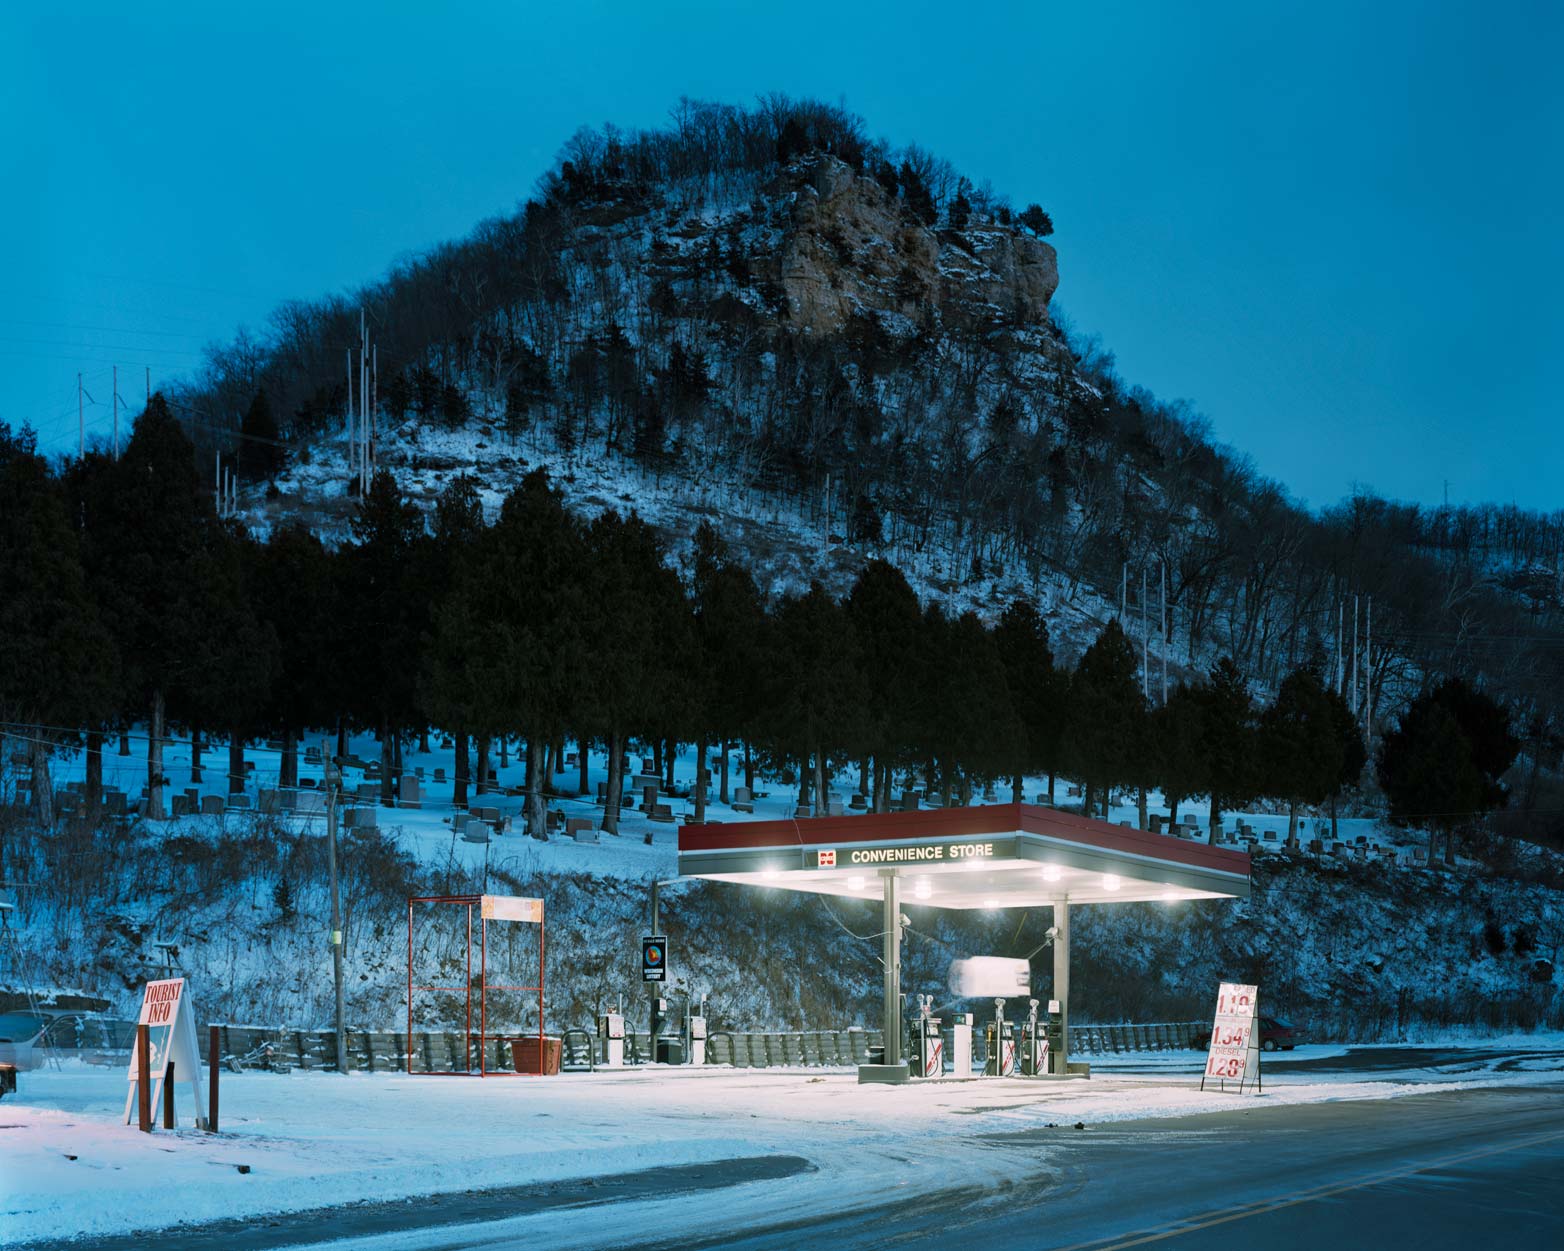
(994, 856)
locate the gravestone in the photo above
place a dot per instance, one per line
(211, 805)
(411, 796)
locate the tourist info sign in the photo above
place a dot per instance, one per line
(171, 1039)
(1234, 1054)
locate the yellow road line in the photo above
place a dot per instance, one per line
(1222, 1216)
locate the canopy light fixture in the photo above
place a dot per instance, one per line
(921, 888)
(855, 882)
(991, 904)
(1052, 873)
(1110, 881)
(770, 873)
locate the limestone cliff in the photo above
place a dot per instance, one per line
(849, 248)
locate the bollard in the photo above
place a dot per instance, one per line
(143, 1079)
(211, 1096)
(168, 1097)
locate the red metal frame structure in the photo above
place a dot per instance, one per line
(490, 907)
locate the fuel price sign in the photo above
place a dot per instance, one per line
(1234, 1051)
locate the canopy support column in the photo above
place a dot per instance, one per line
(892, 1010)
(1062, 982)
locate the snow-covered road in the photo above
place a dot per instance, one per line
(318, 1140)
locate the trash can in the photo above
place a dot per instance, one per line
(670, 1051)
(524, 1053)
(877, 1055)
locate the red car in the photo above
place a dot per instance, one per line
(1274, 1036)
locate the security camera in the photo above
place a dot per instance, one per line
(1052, 933)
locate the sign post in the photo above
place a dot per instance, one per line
(165, 1048)
(1234, 1053)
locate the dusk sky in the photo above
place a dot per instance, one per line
(1333, 228)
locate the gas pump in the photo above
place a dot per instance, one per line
(1055, 1033)
(1001, 1045)
(961, 1044)
(1034, 1044)
(928, 1045)
(611, 1029)
(696, 1026)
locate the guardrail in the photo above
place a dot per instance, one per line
(442, 1051)
(1108, 1039)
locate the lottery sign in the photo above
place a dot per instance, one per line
(1234, 1051)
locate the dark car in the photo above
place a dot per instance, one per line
(1274, 1036)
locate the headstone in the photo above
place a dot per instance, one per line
(857, 802)
(181, 805)
(439, 775)
(211, 805)
(114, 803)
(310, 802)
(238, 803)
(743, 799)
(411, 796)
(287, 800)
(460, 821)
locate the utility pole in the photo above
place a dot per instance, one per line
(1145, 641)
(1163, 642)
(654, 989)
(351, 429)
(81, 422)
(1354, 687)
(217, 481)
(149, 385)
(116, 412)
(333, 779)
(1368, 670)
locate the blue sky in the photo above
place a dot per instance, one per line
(1332, 227)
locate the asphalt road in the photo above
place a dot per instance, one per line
(1465, 1169)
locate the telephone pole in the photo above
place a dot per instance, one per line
(81, 423)
(116, 412)
(1163, 643)
(1145, 641)
(333, 779)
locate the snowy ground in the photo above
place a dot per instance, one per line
(426, 832)
(316, 1139)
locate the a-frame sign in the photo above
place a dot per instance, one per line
(1234, 1053)
(171, 1035)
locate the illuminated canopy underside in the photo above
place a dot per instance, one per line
(994, 856)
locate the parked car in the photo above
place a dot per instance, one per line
(21, 1048)
(1275, 1035)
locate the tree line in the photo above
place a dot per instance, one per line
(125, 598)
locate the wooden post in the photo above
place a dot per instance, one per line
(214, 1051)
(143, 1079)
(168, 1097)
